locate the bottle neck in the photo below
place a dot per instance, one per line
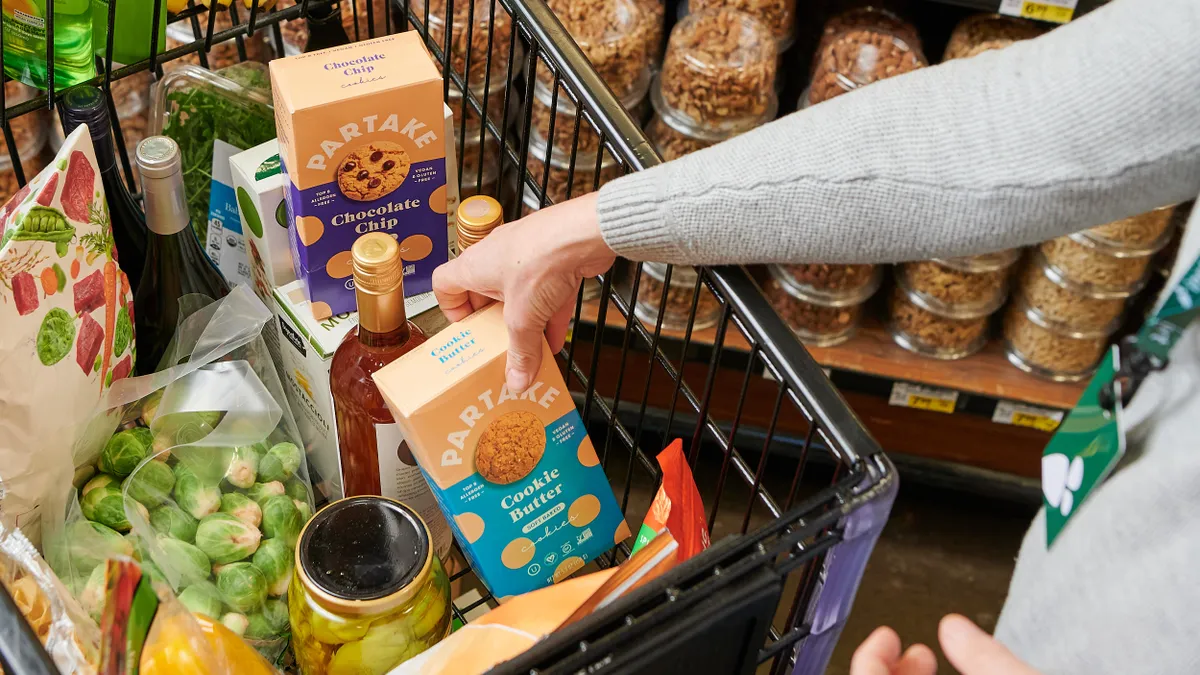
(98, 127)
(381, 317)
(165, 203)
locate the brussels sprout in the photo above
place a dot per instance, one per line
(202, 598)
(149, 406)
(243, 467)
(282, 519)
(82, 546)
(243, 587)
(383, 646)
(296, 489)
(261, 491)
(194, 496)
(186, 560)
(151, 484)
(226, 539)
(305, 512)
(102, 480)
(171, 520)
(269, 622)
(242, 507)
(106, 506)
(280, 462)
(183, 428)
(275, 559)
(236, 622)
(92, 595)
(123, 452)
(82, 475)
(143, 434)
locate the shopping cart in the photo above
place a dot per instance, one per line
(768, 598)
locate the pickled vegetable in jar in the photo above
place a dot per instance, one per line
(368, 592)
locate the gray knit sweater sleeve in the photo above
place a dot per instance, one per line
(1095, 121)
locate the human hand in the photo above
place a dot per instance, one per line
(880, 654)
(534, 265)
(968, 648)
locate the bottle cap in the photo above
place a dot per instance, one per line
(477, 216)
(378, 268)
(158, 157)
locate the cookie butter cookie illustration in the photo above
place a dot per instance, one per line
(373, 170)
(510, 447)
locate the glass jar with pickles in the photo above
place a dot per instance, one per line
(368, 592)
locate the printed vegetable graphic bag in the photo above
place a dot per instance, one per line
(66, 322)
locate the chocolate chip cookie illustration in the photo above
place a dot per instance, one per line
(372, 171)
(510, 447)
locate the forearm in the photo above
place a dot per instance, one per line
(1096, 121)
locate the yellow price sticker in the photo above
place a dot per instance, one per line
(942, 405)
(1041, 11)
(1039, 422)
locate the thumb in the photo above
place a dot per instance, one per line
(974, 652)
(524, 349)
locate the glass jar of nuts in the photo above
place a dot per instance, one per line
(674, 133)
(832, 284)
(1098, 267)
(954, 289)
(480, 166)
(815, 319)
(488, 27)
(568, 175)
(675, 305)
(1050, 349)
(918, 327)
(984, 32)
(619, 38)
(1143, 234)
(868, 18)
(984, 262)
(565, 134)
(1063, 302)
(491, 99)
(779, 16)
(859, 57)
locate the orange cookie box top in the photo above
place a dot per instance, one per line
(329, 101)
(441, 394)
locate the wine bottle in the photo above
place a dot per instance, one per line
(176, 266)
(375, 458)
(86, 105)
(325, 28)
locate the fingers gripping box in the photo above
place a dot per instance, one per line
(360, 139)
(515, 472)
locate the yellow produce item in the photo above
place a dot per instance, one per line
(183, 644)
(176, 6)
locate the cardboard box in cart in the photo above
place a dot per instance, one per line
(306, 350)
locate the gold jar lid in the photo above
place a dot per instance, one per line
(364, 555)
(477, 216)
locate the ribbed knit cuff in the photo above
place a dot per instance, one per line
(632, 220)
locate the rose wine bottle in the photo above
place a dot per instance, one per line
(86, 105)
(176, 272)
(375, 458)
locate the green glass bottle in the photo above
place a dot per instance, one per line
(25, 27)
(131, 29)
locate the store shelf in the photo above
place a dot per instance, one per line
(1081, 8)
(872, 353)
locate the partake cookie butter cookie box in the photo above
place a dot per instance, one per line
(360, 139)
(514, 472)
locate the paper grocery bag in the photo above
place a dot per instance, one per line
(66, 325)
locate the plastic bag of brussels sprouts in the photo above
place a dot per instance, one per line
(200, 475)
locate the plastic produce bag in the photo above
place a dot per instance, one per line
(70, 637)
(199, 476)
(66, 330)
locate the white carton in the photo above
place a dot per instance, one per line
(452, 195)
(260, 185)
(306, 353)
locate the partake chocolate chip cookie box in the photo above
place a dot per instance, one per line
(360, 139)
(514, 472)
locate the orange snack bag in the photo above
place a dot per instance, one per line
(677, 506)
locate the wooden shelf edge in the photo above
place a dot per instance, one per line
(873, 353)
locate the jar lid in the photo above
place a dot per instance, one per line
(824, 298)
(841, 297)
(479, 215)
(1060, 278)
(682, 276)
(1036, 317)
(714, 131)
(363, 555)
(984, 262)
(585, 162)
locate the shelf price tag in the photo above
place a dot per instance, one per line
(1022, 415)
(916, 396)
(1053, 11)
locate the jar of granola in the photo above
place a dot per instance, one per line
(487, 26)
(544, 102)
(779, 16)
(564, 178)
(859, 57)
(617, 36)
(719, 68)
(1101, 269)
(1143, 234)
(1063, 302)
(836, 285)
(815, 319)
(985, 32)
(954, 290)
(674, 133)
(1051, 349)
(917, 326)
(675, 304)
